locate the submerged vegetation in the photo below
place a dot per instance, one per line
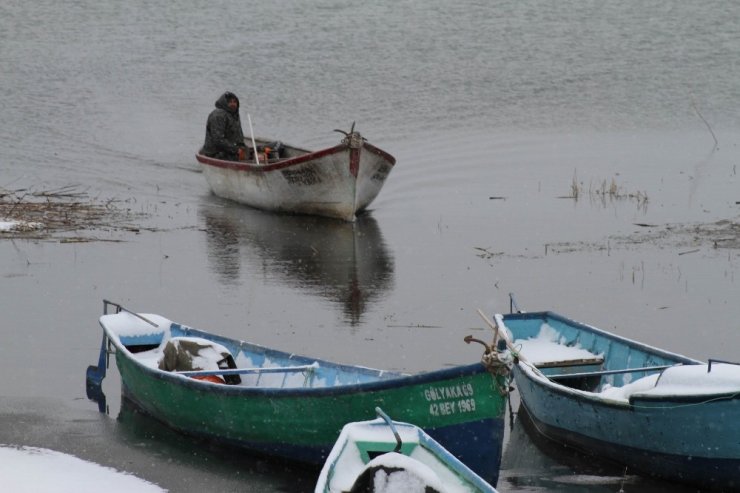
(606, 192)
(65, 215)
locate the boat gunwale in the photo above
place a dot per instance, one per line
(280, 164)
(276, 353)
(685, 398)
(243, 166)
(632, 404)
(380, 152)
(595, 397)
(610, 335)
(401, 380)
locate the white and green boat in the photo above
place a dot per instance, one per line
(384, 455)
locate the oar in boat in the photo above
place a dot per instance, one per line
(505, 337)
(254, 145)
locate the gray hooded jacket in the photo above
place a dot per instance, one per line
(224, 133)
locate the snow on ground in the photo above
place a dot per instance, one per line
(19, 226)
(39, 470)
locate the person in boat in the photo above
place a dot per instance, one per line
(224, 135)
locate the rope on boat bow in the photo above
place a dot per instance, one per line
(497, 359)
(352, 139)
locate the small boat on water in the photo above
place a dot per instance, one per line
(339, 181)
(291, 406)
(657, 413)
(383, 455)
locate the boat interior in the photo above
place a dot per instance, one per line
(226, 361)
(271, 151)
(582, 357)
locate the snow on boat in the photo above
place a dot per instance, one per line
(658, 413)
(338, 182)
(383, 455)
(291, 406)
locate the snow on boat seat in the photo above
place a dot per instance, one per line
(136, 333)
(680, 381)
(546, 351)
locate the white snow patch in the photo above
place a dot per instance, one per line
(39, 470)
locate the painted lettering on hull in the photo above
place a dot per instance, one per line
(445, 400)
(382, 173)
(304, 176)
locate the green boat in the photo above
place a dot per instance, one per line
(294, 407)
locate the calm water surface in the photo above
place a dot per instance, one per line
(495, 111)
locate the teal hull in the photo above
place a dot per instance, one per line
(687, 435)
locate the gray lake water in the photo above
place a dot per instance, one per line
(495, 112)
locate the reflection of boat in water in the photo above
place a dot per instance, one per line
(532, 462)
(199, 465)
(347, 263)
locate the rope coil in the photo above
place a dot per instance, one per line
(497, 362)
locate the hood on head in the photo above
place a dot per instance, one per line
(223, 101)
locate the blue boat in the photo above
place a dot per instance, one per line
(385, 455)
(657, 413)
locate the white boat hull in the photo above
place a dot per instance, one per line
(337, 182)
